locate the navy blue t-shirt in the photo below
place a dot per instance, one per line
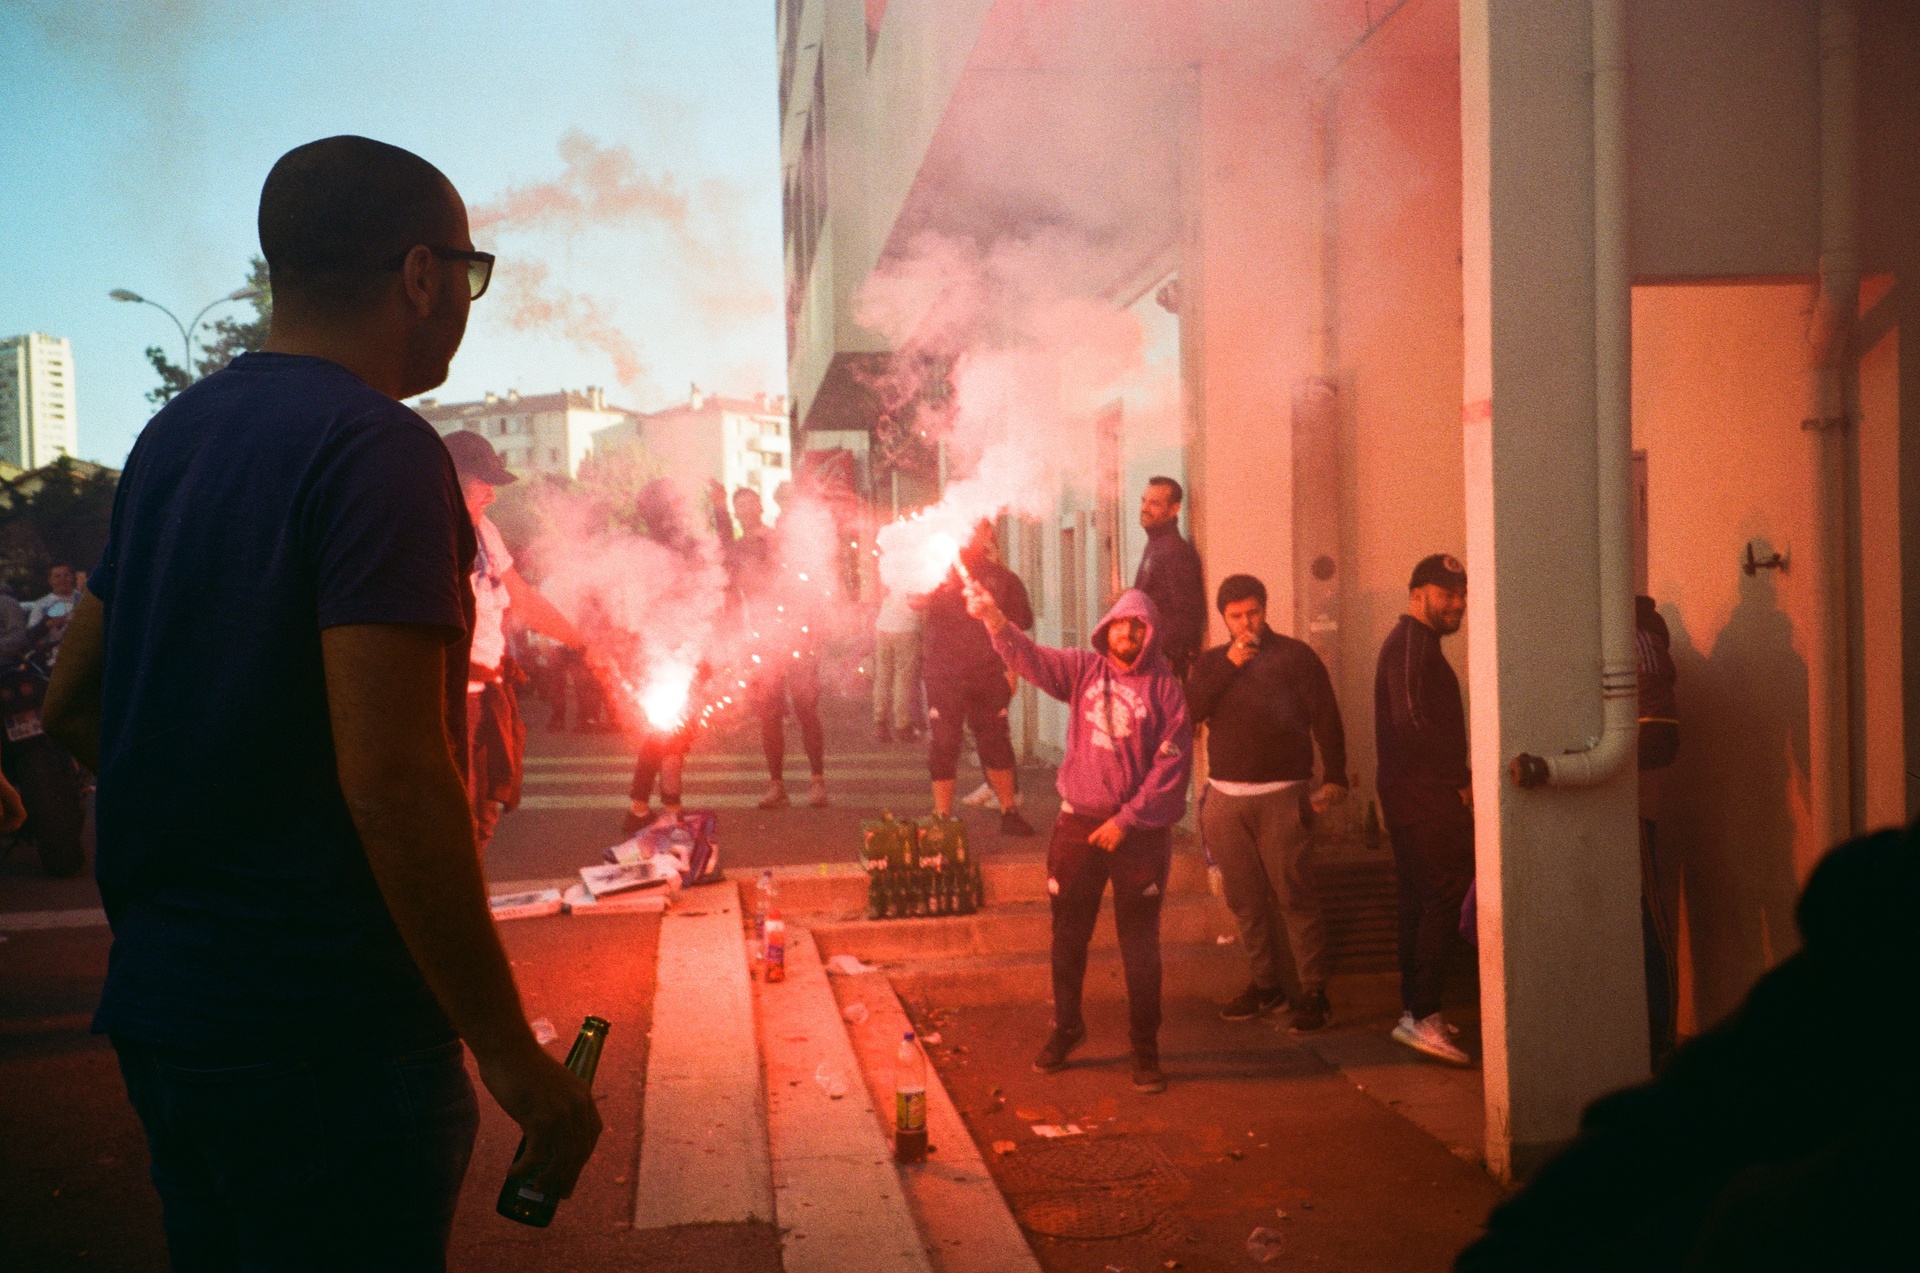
(272, 500)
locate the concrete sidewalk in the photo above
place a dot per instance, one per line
(1255, 1130)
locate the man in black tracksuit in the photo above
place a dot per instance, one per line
(968, 683)
(1170, 574)
(1426, 795)
(1266, 700)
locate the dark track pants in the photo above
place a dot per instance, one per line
(800, 680)
(1433, 860)
(305, 1164)
(1077, 875)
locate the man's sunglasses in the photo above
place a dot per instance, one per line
(479, 266)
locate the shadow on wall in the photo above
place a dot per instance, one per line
(1738, 795)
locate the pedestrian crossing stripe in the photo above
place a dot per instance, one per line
(733, 800)
(560, 778)
(723, 758)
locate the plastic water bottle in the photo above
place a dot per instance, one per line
(767, 899)
(909, 1102)
(775, 957)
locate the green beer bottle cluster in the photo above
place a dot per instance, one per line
(519, 1200)
(919, 869)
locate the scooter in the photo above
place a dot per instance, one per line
(50, 782)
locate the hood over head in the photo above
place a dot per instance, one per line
(1133, 604)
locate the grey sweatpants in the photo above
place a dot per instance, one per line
(1261, 848)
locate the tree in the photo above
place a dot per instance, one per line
(53, 515)
(229, 339)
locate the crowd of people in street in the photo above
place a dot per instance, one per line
(289, 829)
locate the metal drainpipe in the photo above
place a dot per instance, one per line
(1831, 335)
(1605, 756)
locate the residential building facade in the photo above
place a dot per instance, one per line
(1685, 228)
(738, 442)
(39, 422)
(535, 434)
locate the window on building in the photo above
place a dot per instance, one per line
(1070, 587)
(769, 428)
(553, 454)
(774, 460)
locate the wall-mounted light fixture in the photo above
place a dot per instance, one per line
(1756, 562)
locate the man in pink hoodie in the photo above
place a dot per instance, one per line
(1123, 784)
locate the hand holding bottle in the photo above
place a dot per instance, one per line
(555, 1110)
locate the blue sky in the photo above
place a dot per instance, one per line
(138, 135)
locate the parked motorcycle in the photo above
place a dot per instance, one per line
(51, 783)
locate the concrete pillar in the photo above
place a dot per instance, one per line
(1562, 989)
(1249, 306)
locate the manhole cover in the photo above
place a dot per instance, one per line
(1097, 1162)
(1089, 1189)
(1089, 1213)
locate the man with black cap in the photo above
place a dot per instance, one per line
(1426, 795)
(496, 738)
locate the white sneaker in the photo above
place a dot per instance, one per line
(1430, 1038)
(980, 797)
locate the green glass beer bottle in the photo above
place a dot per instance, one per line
(519, 1200)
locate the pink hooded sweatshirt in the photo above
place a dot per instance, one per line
(1129, 743)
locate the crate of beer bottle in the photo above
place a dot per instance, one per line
(941, 877)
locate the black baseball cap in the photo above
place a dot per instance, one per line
(1443, 569)
(474, 457)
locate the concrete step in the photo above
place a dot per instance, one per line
(1356, 888)
(838, 890)
(1009, 928)
(962, 1217)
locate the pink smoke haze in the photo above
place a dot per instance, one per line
(663, 638)
(528, 302)
(604, 186)
(600, 185)
(1032, 365)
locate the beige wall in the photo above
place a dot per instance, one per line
(1253, 305)
(1719, 386)
(1396, 334)
(1882, 729)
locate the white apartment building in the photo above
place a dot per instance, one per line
(38, 422)
(545, 433)
(738, 442)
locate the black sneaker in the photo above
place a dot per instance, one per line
(1059, 1046)
(1147, 1076)
(1011, 823)
(1311, 1013)
(1254, 1002)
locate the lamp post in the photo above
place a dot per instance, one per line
(186, 329)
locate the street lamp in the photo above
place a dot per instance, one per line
(186, 329)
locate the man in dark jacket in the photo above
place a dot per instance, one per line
(1123, 784)
(1170, 574)
(1266, 700)
(967, 684)
(1426, 795)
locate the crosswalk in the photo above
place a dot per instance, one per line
(728, 780)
